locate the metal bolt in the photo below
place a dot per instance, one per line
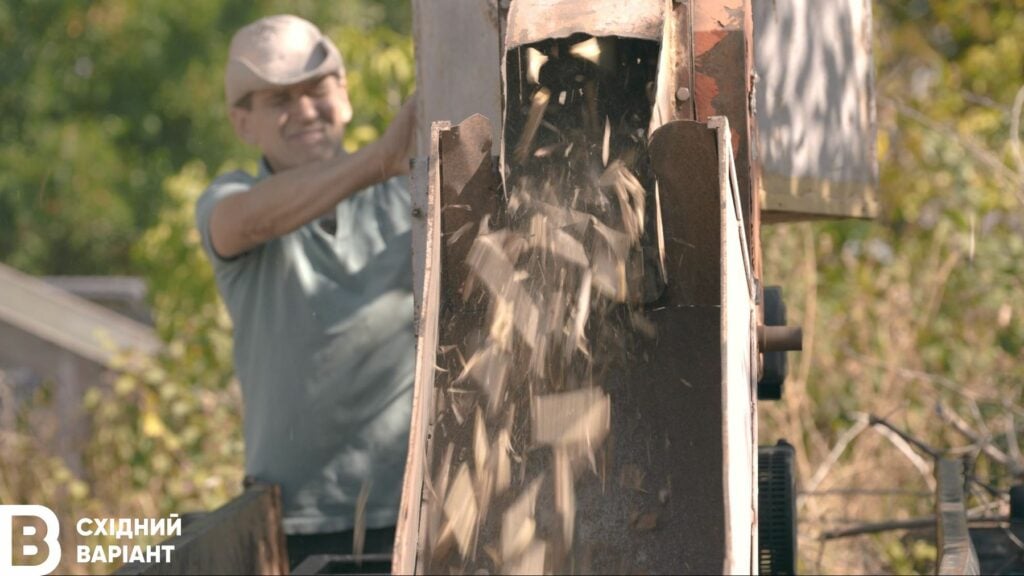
(683, 94)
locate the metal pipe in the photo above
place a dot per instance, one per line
(780, 338)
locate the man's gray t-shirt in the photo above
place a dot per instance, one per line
(324, 351)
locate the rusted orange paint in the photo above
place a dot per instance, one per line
(721, 67)
(706, 40)
(706, 92)
(717, 15)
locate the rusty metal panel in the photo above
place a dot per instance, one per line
(721, 80)
(815, 109)
(531, 21)
(458, 63)
(674, 100)
(683, 155)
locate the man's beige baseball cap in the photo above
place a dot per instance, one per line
(277, 51)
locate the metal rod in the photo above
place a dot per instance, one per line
(780, 338)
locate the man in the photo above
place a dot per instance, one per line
(312, 257)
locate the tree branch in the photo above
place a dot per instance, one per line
(909, 524)
(983, 442)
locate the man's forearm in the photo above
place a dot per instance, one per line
(291, 199)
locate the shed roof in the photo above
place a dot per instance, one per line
(73, 323)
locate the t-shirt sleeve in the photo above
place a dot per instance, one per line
(227, 185)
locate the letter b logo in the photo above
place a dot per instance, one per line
(7, 515)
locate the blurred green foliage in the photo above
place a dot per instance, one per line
(112, 122)
(104, 101)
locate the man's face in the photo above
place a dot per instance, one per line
(297, 124)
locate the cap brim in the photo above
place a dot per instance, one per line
(242, 77)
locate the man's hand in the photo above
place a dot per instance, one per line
(399, 140)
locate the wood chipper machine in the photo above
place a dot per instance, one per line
(593, 332)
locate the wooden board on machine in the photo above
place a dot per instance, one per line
(245, 536)
(815, 107)
(458, 64)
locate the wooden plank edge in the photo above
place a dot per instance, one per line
(197, 533)
(407, 532)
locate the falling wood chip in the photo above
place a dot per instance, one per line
(461, 402)
(617, 242)
(606, 144)
(630, 196)
(488, 368)
(535, 59)
(502, 466)
(530, 562)
(553, 321)
(455, 236)
(480, 443)
(587, 49)
(461, 510)
(533, 120)
(578, 417)
(518, 526)
(561, 217)
(526, 317)
(567, 248)
(565, 493)
(538, 361)
(609, 275)
(538, 231)
(502, 322)
(488, 260)
(483, 466)
(577, 337)
(484, 490)
(440, 538)
(444, 543)
(550, 149)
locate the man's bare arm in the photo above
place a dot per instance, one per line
(288, 200)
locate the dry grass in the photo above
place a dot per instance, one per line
(878, 341)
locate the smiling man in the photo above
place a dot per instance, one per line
(312, 257)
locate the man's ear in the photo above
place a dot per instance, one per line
(240, 121)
